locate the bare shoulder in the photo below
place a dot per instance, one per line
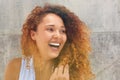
(14, 62)
(13, 69)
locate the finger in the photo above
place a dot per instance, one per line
(60, 70)
(56, 71)
(53, 76)
(66, 69)
(66, 72)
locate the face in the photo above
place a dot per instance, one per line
(50, 36)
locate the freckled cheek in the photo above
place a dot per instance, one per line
(47, 37)
(65, 38)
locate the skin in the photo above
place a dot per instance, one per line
(60, 73)
(13, 69)
(53, 29)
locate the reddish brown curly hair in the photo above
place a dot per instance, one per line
(75, 51)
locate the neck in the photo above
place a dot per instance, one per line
(43, 68)
(42, 63)
(46, 64)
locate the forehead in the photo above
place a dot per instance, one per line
(52, 18)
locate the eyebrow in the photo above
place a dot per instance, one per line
(50, 25)
(54, 25)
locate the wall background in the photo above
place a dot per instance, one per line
(101, 16)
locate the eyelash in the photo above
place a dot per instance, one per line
(61, 31)
(50, 29)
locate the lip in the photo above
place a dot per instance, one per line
(55, 48)
(54, 44)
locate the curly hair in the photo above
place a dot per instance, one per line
(76, 49)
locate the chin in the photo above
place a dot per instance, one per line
(55, 55)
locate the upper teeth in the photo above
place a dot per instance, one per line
(54, 44)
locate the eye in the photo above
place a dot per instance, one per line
(63, 31)
(50, 29)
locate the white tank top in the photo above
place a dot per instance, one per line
(27, 73)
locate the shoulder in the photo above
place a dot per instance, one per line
(14, 62)
(13, 69)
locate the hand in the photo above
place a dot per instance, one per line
(60, 73)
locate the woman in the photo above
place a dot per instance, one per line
(55, 46)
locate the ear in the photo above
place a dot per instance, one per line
(32, 34)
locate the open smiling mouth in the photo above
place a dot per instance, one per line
(56, 45)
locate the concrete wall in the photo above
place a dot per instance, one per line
(101, 16)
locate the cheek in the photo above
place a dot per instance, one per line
(65, 38)
(46, 37)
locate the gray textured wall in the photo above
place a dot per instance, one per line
(101, 16)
